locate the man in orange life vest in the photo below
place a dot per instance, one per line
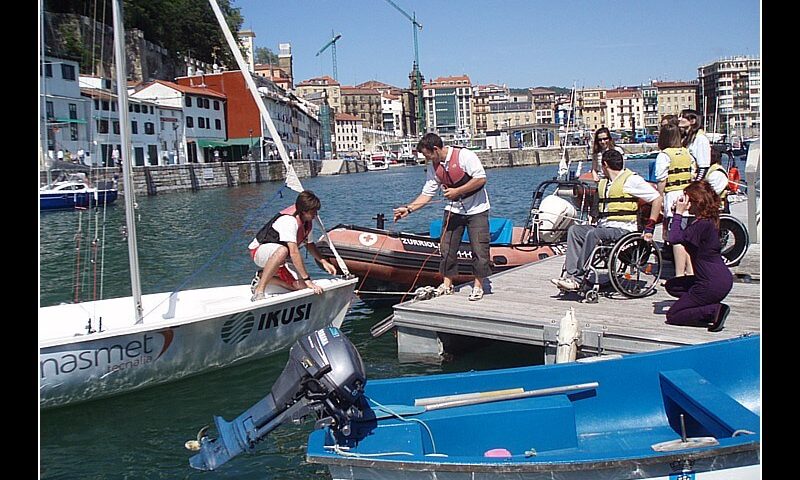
(461, 176)
(280, 239)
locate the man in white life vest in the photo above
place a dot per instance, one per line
(280, 240)
(461, 177)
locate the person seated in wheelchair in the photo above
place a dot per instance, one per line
(619, 194)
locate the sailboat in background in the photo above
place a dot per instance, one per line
(105, 347)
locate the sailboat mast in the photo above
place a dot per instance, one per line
(127, 168)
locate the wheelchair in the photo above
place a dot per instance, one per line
(630, 264)
(733, 239)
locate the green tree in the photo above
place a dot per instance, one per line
(265, 55)
(183, 27)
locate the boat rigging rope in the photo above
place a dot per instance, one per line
(234, 236)
(78, 236)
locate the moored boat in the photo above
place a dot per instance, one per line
(677, 413)
(385, 259)
(96, 349)
(104, 347)
(409, 260)
(74, 193)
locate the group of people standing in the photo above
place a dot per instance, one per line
(684, 194)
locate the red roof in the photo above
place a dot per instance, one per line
(347, 117)
(192, 90)
(323, 81)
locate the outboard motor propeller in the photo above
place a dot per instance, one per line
(324, 375)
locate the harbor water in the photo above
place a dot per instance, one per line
(199, 239)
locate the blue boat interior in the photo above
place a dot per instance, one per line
(620, 419)
(500, 230)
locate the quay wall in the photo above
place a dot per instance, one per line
(157, 179)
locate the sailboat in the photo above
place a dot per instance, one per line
(100, 348)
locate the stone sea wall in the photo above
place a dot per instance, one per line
(159, 179)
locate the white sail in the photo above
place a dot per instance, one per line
(98, 348)
(292, 181)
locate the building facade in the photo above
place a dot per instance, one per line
(482, 97)
(64, 111)
(364, 103)
(203, 110)
(448, 107)
(349, 135)
(624, 109)
(730, 96)
(675, 96)
(652, 120)
(592, 108)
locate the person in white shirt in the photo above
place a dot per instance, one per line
(458, 172)
(694, 138)
(276, 248)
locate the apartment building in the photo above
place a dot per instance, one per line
(730, 95)
(448, 106)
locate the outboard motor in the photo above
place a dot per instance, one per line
(324, 375)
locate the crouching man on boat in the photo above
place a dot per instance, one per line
(618, 193)
(276, 248)
(460, 175)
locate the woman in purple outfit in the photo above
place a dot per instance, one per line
(699, 295)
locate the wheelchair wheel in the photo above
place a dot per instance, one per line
(634, 266)
(733, 239)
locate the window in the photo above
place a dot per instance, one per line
(208, 123)
(217, 124)
(137, 108)
(48, 69)
(190, 122)
(134, 127)
(116, 127)
(188, 101)
(105, 105)
(67, 71)
(201, 122)
(206, 103)
(216, 104)
(102, 126)
(149, 128)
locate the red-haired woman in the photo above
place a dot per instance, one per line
(699, 295)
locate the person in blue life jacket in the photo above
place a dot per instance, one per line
(619, 192)
(459, 174)
(276, 248)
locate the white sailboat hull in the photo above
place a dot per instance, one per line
(211, 328)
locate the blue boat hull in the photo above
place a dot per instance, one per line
(610, 431)
(66, 200)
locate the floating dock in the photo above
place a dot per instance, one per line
(521, 305)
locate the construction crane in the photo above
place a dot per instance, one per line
(332, 44)
(420, 104)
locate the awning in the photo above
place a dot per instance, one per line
(66, 120)
(204, 142)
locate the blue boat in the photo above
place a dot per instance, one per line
(685, 413)
(71, 194)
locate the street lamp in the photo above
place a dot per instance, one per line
(250, 145)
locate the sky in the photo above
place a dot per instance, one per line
(519, 43)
